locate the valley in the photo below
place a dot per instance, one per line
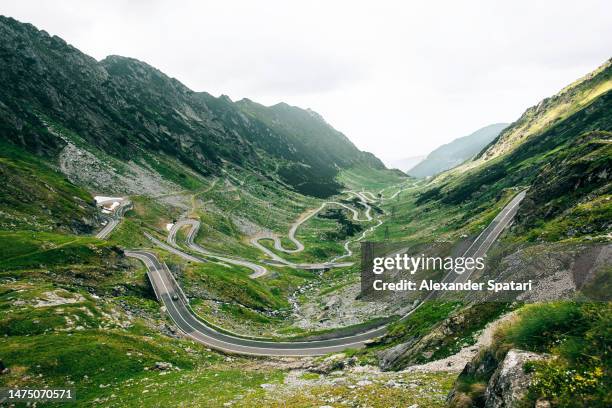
(228, 273)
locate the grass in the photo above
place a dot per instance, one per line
(579, 220)
(117, 368)
(35, 196)
(364, 178)
(579, 335)
(105, 353)
(174, 171)
(232, 285)
(204, 387)
(426, 390)
(27, 249)
(262, 202)
(147, 214)
(575, 335)
(21, 316)
(421, 321)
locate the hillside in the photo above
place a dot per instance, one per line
(128, 109)
(561, 234)
(71, 128)
(456, 152)
(566, 161)
(537, 119)
(35, 196)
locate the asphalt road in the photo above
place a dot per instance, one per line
(169, 293)
(114, 219)
(258, 270)
(300, 247)
(488, 236)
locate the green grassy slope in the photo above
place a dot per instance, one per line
(566, 164)
(35, 195)
(575, 335)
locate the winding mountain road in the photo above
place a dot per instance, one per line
(300, 247)
(169, 293)
(258, 270)
(114, 219)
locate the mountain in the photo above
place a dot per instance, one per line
(560, 153)
(129, 110)
(456, 152)
(406, 163)
(560, 150)
(550, 111)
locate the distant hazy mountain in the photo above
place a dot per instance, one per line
(456, 152)
(407, 163)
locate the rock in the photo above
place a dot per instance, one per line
(334, 362)
(510, 382)
(363, 383)
(387, 358)
(162, 366)
(414, 406)
(481, 366)
(542, 403)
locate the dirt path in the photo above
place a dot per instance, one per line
(456, 362)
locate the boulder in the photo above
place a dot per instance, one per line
(163, 366)
(510, 382)
(334, 362)
(388, 358)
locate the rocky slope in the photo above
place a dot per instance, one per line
(35, 196)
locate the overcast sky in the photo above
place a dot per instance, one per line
(398, 78)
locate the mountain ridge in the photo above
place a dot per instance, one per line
(456, 152)
(124, 107)
(549, 110)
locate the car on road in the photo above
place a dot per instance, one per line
(175, 297)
